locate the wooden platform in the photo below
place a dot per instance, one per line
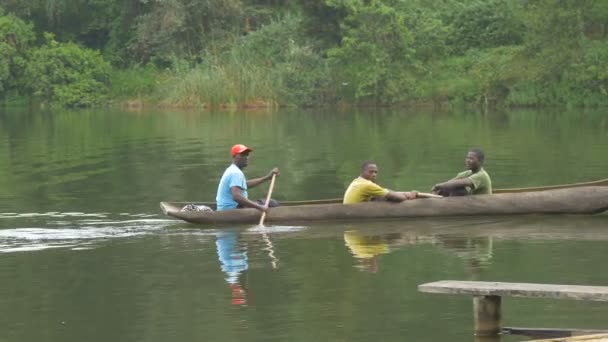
(487, 297)
(584, 338)
(550, 333)
(481, 288)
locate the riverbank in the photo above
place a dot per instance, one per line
(228, 85)
(378, 57)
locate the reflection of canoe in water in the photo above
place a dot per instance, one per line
(574, 200)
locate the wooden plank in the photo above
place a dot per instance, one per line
(583, 338)
(546, 333)
(528, 290)
(601, 182)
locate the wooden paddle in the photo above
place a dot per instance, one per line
(428, 195)
(274, 176)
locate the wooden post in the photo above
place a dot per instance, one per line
(487, 299)
(487, 315)
(495, 338)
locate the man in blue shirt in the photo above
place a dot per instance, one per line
(232, 190)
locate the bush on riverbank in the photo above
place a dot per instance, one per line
(67, 75)
(251, 53)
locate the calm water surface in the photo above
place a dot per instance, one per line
(85, 254)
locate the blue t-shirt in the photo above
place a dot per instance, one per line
(233, 176)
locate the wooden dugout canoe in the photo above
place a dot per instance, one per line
(601, 182)
(573, 200)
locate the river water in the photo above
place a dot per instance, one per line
(86, 254)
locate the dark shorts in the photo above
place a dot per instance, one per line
(271, 204)
(454, 192)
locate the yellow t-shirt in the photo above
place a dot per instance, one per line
(363, 190)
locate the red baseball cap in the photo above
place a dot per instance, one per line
(239, 148)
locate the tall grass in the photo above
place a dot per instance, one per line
(230, 82)
(135, 82)
(270, 67)
(563, 93)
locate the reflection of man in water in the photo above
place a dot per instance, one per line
(476, 251)
(233, 259)
(366, 249)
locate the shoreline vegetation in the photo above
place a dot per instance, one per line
(257, 54)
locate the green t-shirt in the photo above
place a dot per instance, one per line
(482, 184)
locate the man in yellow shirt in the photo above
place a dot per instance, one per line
(364, 188)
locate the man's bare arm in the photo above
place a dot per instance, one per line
(453, 184)
(237, 194)
(252, 183)
(395, 196)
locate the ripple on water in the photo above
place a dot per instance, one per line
(75, 230)
(276, 229)
(20, 232)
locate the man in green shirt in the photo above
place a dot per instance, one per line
(474, 181)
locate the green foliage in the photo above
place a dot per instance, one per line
(493, 72)
(563, 66)
(218, 82)
(172, 29)
(120, 32)
(300, 74)
(85, 21)
(16, 37)
(374, 61)
(135, 81)
(430, 35)
(68, 75)
(596, 20)
(554, 36)
(322, 22)
(591, 73)
(304, 78)
(272, 65)
(553, 22)
(484, 24)
(583, 82)
(308, 52)
(449, 80)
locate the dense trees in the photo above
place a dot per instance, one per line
(310, 52)
(66, 74)
(15, 39)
